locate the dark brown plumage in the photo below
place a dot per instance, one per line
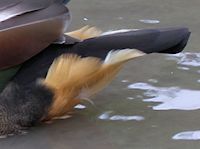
(29, 26)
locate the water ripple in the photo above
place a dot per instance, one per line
(107, 116)
(187, 135)
(186, 58)
(80, 106)
(170, 97)
(149, 21)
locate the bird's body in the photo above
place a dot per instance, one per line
(51, 80)
(50, 84)
(69, 80)
(73, 78)
(29, 26)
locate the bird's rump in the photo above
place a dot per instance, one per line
(65, 78)
(72, 78)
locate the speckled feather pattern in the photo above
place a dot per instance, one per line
(21, 108)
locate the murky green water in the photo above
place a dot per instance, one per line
(145, 115)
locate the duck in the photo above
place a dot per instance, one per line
(46, 71)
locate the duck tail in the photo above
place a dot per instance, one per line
(109, 69)
(65, 78)
(121, 56)
(164, 40)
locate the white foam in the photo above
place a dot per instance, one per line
(170, 98)
(187, 135)
(107, 116)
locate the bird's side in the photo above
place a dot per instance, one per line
(166, 40)
(69, 79)
(73, 78)
(29, 26)
(51, 83)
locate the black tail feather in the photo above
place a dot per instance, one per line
(166, 40)
(171, 40)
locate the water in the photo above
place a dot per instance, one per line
(149, 21)
(107, 116)
(170, 97)
(163, 113)
(187, 135)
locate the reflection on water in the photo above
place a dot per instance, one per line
(174, 97)
(170, 98)
(120, 18)
(125, 81)
(117, 31)
(183, 68)
(153, 80)
(130, 98)
(149, 21)
(108, 116)
(187, 135)
(85, 19)
(186, 58)
(80, 106)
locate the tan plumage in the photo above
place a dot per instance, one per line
(85, 32)
(109, 68)
(66, 77)
(72, 78)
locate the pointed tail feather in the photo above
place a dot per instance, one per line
(109, 69)
(70, 70)
(120, 56)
